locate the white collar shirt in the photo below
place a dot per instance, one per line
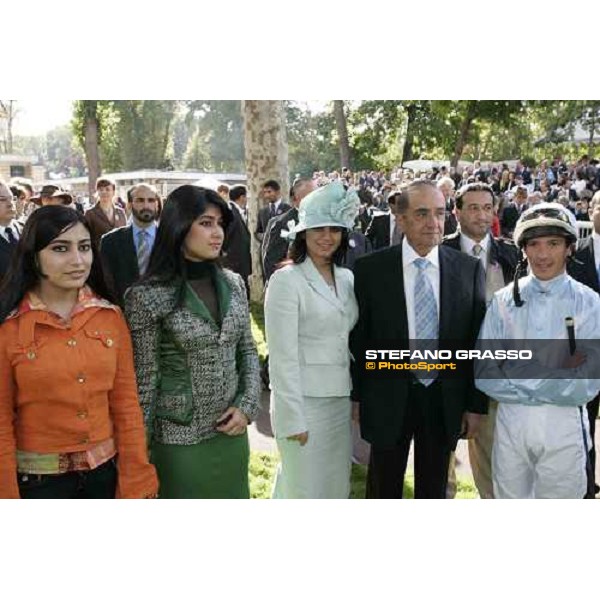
(409, 272)
(467, 244)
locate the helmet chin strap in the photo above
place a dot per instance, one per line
(519, 272)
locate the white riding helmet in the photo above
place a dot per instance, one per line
(546, 218)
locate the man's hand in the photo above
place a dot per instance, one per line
(471, 422)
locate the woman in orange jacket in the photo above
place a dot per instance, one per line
(70, 421)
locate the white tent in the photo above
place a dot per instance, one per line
(422, 164)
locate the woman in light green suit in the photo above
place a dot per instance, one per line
(310, 310)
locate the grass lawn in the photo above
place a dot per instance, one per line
(264, 464)
(257, 323)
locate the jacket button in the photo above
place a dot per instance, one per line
(81, 378)
(82, 414)
(72, 343)
(85, 440)
(31, 355)
(109, 342)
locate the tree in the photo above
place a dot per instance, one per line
(265, 141)
(197, 155)
(219, 123)
(310, 138)
(143, 130)
(466, 117)
(88, 131)
(342, 131)
(8, 112)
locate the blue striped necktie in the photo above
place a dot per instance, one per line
(426, 316)
(143, 253)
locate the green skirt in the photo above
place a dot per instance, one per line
(215, 468)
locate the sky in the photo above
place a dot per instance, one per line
(36, 116)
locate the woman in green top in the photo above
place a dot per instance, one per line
(196, 362)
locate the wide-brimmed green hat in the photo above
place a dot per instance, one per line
(329, 206)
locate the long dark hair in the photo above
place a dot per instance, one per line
(182, 207)
(43, 226)
(298, 250)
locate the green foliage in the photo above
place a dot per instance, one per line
(311, 140)
(58, 150)
(262, 474)
(216, 128)
(257, 323)
(263, 466)
(133, 134)
(143, 129)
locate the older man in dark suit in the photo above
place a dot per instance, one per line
(126, 251)
(417, 290)
(586, 269)
(10, 228)
(475, 211)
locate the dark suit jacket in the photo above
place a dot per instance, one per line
(584, 270)
(379, 288)
(7, 250)
(502, 252)
(378, 232)
(119, 259)
(274, 248)
(264, 215)
(236, 247)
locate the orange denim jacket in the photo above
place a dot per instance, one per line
(66, 386)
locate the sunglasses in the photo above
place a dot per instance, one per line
(550, 213)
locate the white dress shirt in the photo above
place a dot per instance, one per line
(410, 271)
(392, 227)
(241, 210)
(466, 246)
(596, 242)
(13, 228)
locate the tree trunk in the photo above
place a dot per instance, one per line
(266, 154)
(465, 129)
(92, 150)
(9, 112)
(342, 131)
(407, 151)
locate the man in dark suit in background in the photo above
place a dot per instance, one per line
(126, 251)
(236, 247)
(513, 211)
(586, 269)
(416, 290)
(10, 228)
(474, 207)
(274, 248)
(383, 231)
(271, 192)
